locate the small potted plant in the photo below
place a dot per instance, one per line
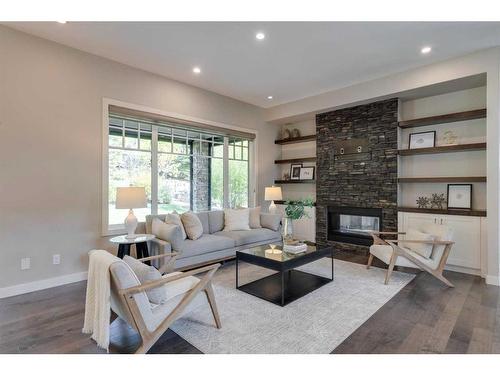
(294, 210)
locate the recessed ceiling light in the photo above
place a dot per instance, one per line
(270, 97)
(426, 50)
(260, 36)
(61, 21)
(196, 70)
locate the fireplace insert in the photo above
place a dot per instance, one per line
(353, 224)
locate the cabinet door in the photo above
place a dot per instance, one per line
(416, 221)
(466, 252)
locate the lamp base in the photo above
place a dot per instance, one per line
(272, 208)
(131, 224)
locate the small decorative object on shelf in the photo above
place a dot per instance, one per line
(294, 210)
(286, 176)
(295, 133)
(450, 138)
(295, 171)
(423, 202)
(460, 196)
(286, 134)
(307, 173)
(422, 140)
(437, 201)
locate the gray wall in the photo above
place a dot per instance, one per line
(50, 147)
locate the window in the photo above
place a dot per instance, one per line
(181, 169)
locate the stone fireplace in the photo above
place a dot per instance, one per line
(356, 174)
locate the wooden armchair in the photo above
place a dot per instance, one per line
(130, 302)
(394, 252)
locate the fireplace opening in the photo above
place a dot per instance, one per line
(353, 224)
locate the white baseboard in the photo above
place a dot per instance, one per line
(15, 290)
(492, 280)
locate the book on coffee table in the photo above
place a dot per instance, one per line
(295, 248)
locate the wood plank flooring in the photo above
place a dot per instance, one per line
(424, 317)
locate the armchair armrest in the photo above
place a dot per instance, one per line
(385, 233)
(165, 280)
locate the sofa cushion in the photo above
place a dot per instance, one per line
(236, 219)
(244, 237)
(270, 221)
(205, 244)
(203, 216)
(167, 232)
(216, 221)
(174, 218)
(255, 218)
(192, 225)
(146, 274)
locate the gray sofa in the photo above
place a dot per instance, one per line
(215, 243)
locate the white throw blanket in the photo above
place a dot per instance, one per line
(98, 303)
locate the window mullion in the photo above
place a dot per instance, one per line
(154, 170)
(225, 172)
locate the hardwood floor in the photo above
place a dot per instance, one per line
(424, 317)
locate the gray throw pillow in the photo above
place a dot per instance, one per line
(255, 218)
(216, 221)
(145, 274)
(192, 225)
(270, 221)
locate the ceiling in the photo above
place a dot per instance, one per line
(295, 60)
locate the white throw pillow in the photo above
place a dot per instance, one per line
(422, 249)
(146, 274)
(192, 225)
(254, 221)
(236, 219)
(167, 232)
(174, 218)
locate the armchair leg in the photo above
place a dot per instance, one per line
(391, 267)
(370, 260)
(439, 276)
(209, 291)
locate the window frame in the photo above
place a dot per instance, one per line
(116, 229)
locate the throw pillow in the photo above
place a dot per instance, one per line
(167, 232)
(236, 219)
(255, 218)
(192, 225)
(145, 274)
(270, 221)
(422, 249)
(174, 218)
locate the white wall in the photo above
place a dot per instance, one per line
(486, 61)
(50, 147)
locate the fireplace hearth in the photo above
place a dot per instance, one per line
(353, 224)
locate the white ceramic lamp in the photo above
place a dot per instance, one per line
(131, 197)
(272, 194)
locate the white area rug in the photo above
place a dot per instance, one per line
(315, 323)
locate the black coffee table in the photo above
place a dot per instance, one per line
(288, 284)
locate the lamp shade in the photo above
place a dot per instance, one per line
(131, 197)
(273, 193)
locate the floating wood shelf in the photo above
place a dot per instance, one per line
(305, 138)
(443, 149)
(294, 181)
(283, 202)
(298, 160)
(442, 179)
(444, 119)
(443, 212)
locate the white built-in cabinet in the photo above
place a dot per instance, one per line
(468, 234)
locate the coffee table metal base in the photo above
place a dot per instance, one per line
(281, 288)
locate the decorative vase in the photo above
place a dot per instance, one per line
(287, 230)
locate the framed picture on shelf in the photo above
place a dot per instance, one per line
(307, 173)
(295, 171)
(460, 196)
(422, 140)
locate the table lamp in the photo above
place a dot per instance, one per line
(272, 194)
(131, 197)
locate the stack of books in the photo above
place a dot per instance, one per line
(295, 248)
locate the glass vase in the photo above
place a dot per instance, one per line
(287, 230)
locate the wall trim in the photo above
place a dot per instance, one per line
(34, 286)
(492, 280)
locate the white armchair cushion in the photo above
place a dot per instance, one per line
(384, 253)
(174, 218)
(236, 219)
(422, 249)
(146, 274)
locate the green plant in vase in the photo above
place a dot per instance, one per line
(294, 210)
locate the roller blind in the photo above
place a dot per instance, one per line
(161, 120)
